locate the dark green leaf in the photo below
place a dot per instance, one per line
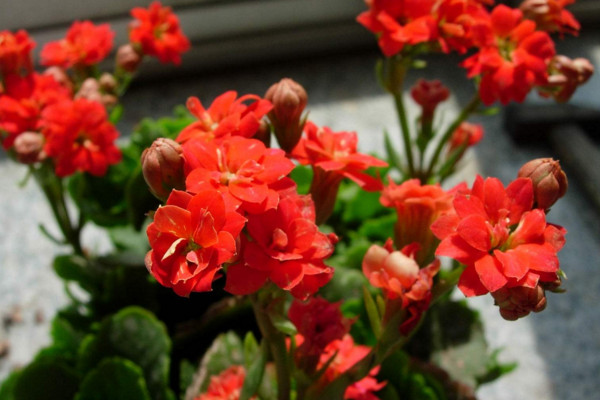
(250, 349)
(7, 388)
(226, 350)
(114, 379)
(116, 114)
(46, 380)
(135, 334)
(302, 175)
(75, 268)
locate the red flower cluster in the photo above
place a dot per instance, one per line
(191, 237)
(513, 57)
(85, 44)
(156, 32)
(226, 116)
(281, 242)
(15, 53)
(503, 242)
(287, 248)
(22, 103)
(79, 137)
(399, 275)
(226, 386)
(444, 24)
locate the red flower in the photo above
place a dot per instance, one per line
(320, 323)
(226, 386)
(551, 16)
(500, 239)
(79, 137)
(286, 248)
(455, 19)
(399, 23)
(242, 168)
(226, 116)
(333, 156)
(22, 104)
(191, 237)
(347, 353)
(417, 206)
(85, 44)
(399, 275)
(15, 53)
(513, 56)
(156, 30)
(466, 135)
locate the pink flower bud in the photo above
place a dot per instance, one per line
(59, 76)
(128, 58)
(550, 15)
(28, 147)
(428, 94)
(90, 90)
(108, 83)
(549, 181)
(566, 76)
(519, 301)
(289, 100)
(162, 166)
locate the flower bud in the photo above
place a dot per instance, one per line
(90, 90)
(466, 134)
(162, 167)
(519, 301)
(28, 147)
(289, 100)
(549, 181)
(550, 15)
(108, 83)
(128, 59)
(60, 76)
(428, 94)
(565, 76)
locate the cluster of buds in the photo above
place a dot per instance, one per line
(428, 94)
(102, 90)
(289, 100)
(566, 75)
(519, 301)
(549, 181)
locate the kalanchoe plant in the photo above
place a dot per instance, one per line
(319, 265)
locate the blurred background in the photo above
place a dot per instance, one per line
(246, 45)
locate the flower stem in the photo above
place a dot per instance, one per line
(469, 108)
(53, 188)
(276, 341)
(406, 139)
(446, 284)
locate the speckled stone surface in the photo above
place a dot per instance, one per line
(558, 350)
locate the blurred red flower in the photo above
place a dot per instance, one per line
(157, 32)
(85, 44)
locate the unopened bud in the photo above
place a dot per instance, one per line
(60, 76)
(28, 147)
(566, 75)
(264, 133)
(519, 301)
(162, 167)
(128, 59)
(90, 90)
(466, 135)
(550, 15)
(428, 94)
(289, 100)
(549, 181)
(108, 83)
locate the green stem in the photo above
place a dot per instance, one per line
(408, 148)
(53, 189)
(276, 341)
(446, 284)
(464, 114)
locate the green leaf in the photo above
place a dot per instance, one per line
(495, 369)
(302, 175)
(250, 349)
(75, 268)
(379, 228)
(282, 324)
(46, 380)
(116, 114)
(255, 372)
(128, 239)
(226, 350)
(186, 376)
(372, 313)
(65, 336)
(138, 198)
(7, 388)
(134, 334)
(114, 379)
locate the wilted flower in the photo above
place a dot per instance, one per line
(518, 302)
